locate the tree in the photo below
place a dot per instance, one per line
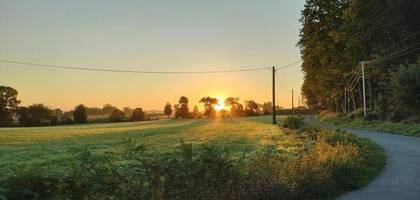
(236, 109)
(127, 111)
(8, 105)
(168, 109)
(251, 108)
(80, 114)
(177, 111)
(116, 116)
(267, 108)
(406, 88)
(137, 115)
(209, 104)
(108, 108)
(196, 112)
(336, 35)
(184, 111)
(35, 115)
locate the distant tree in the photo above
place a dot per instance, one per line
(184, 111)
(95, 111)
(8, 105)
(267, 108)
(406, 88)
(251, 108)
(196, 112)
(35, 115)
(116, 116)
(137, 115)
(209, 104)
(128, 111)
(177, 111)
(57, 113)
(108, 108)
(168, 109)
(236, 109)
(23, 117)
(80, 114)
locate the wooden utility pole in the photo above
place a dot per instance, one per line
(364, 89)
(274, 96)
(292, 103)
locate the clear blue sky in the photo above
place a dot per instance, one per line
(148, 35)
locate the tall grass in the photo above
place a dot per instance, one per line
(327, 164)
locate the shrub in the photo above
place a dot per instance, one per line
(80, 114)
(116, 116)
(293, 122)
(335, 163)
(137, 115)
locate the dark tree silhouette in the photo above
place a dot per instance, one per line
(168, 109)
(137, 115)
(8, 105)
(236, 109)
(80, 114)
(183, 109)
(251, 108)
(116, 116)
(35, 115)
(209, 104)
(108, 108)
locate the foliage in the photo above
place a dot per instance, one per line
(406, 88)
(406, 127)
(334, 163)
(251, 108)
(181, 109)
(167, 109)
(236, 109)
(137, 115)
(8, 105)
(209, 104)
(35, 115)
(267, 108)
(293, 122)
(80, 114)
(116, 116)
(337, 35)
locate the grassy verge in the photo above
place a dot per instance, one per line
(239, 159)
(402, 128)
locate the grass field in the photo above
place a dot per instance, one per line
(217, 159)
(52, 146)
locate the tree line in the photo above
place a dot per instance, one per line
(336, 35)
(12, 114)
(236, 109)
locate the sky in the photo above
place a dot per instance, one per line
(159, 35)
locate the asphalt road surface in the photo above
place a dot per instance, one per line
(400, 178)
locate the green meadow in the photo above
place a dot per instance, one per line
(52, 146)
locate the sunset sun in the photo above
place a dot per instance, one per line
(220, 104)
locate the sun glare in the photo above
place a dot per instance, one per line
(220, 104)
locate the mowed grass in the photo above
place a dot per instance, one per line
(52, 147)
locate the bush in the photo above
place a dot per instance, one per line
(293, 122)
(137, 115)
(80, 114)
(116, 116)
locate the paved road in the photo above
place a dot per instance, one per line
(400, 178)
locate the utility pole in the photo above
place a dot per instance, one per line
(292, 103)
(345, 100)
(363, 63)
(274, 96)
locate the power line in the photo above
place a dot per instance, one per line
(130, 71)
(289, 65)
